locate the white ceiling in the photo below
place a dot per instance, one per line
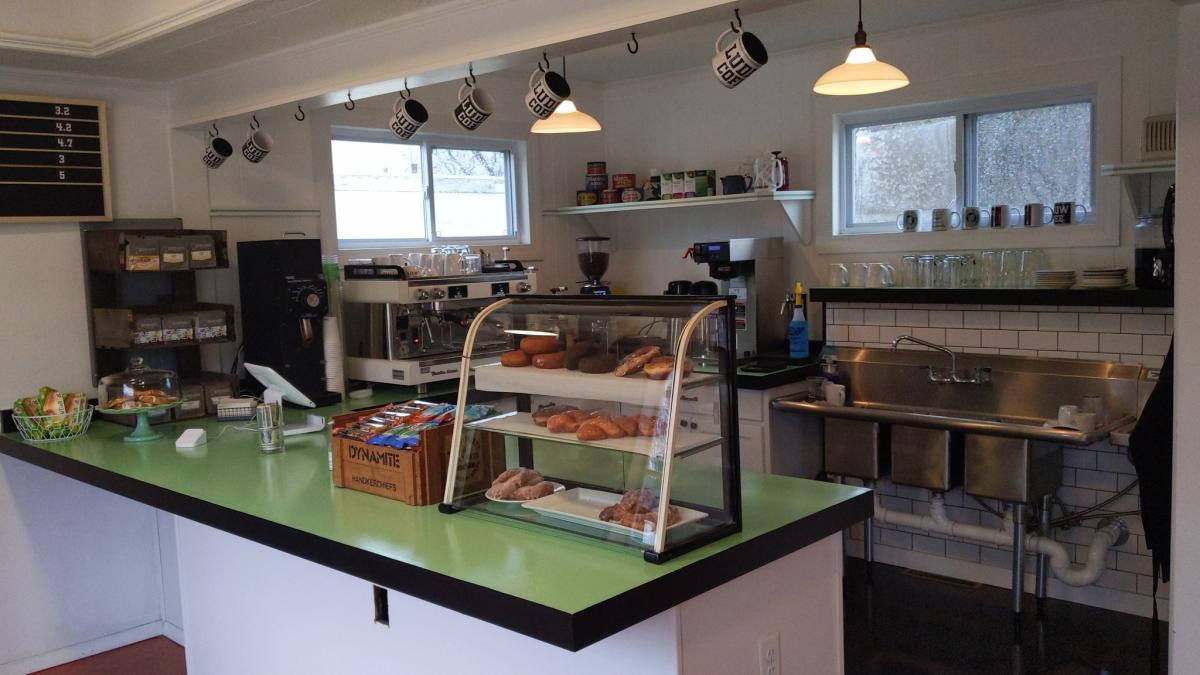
(164, 40)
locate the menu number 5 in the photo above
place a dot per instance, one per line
(62, 175)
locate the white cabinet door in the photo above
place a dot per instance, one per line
(752, 445)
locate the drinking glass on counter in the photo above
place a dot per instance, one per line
(1010, 269)
(1032, 260)
(927, 271)
(951, 275)
(989, 263)
(858, 274)
(908, 271)
(839, 275)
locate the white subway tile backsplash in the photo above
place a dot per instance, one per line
(889, 333)
(1144, 359)
(912, 317)
(1032, 339)
(964, 307)
(1114, 462)
(1170, 325)
(930, 545)
(934, 335)
(836, 333)
(1056, 354)
(1153, 324)
(981, 320)
(1123, 344)
(880, 317)
(999, 338)
(1156, 345)
(864, 333)
(981, 350)
(1079, 458)
(896, 539)
(1058, 321)
(927, 306)
(1125, 310)
(962, 337)
(1019, 320)
(945, 319)
(1158, 310)
(1099, 356)
(1018, 352)
(1100, 323)
(1096, 480)
(1121, 581)
(848, 316)
(1079, 342)
(962, 551)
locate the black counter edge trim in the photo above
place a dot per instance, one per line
(506, 611)
(638, 604)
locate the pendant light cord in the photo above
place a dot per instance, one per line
(860, 38)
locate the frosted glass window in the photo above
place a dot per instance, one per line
(1035, 155)
(963, 157)
(471, 193)
(377, 191)
(903, 166)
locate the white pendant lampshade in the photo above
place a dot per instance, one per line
(862, 73)
(566, 119)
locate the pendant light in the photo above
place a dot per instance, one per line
(567, 118)
(862, 73)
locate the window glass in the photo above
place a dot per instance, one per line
(1035, 155)
(471, 193)
(378, 190)
(902, 166)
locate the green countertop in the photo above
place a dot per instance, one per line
(566, 574)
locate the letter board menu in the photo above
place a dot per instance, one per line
(53, 160)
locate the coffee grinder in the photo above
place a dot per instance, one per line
(751, 271)
(593, 262)
(284, 302)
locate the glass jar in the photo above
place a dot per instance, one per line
(138, 387)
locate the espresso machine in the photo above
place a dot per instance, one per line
(284, 302)
(410, 330)
(751, 270)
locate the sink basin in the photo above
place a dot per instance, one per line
(991, 439)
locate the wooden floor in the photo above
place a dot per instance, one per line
(156, 656)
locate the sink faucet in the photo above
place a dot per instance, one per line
(977, 376)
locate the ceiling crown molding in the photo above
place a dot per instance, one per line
(120, 39)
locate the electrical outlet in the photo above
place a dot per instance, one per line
(768, 655)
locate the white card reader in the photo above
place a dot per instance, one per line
(191, 438)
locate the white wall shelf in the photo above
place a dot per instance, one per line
(1138, 179)
(790, 200)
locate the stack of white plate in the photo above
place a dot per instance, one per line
(1054, 278)
(1105, 277)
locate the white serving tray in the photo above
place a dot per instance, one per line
(560, 382)
(522, 424)
(583, 506)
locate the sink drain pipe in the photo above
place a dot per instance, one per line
(1108, 534)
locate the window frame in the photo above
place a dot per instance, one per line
(966, 113)
(515, 186)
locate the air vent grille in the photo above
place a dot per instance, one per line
(1158, 137)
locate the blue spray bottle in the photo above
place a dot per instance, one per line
(798, 326)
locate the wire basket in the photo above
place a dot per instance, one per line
(62, 427)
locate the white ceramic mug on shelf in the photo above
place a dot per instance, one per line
(944, 219)
(835, 394)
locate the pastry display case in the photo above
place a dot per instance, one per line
(590, 434)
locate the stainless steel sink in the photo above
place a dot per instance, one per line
(993, 440)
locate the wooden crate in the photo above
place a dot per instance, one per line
(415, 476)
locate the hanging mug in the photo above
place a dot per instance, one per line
(408, 116)
(547, 89)
(474, 108)
(216, 151)
(739, 59)
(258, 144)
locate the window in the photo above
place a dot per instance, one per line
(996, 151)
(390, 193)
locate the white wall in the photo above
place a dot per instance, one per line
(79, 567)
(687, 120)
(1185, 536)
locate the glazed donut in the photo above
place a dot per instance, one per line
(597, 363)
(535, 491)
(635, 361)
(628, 424)
(564, 423)
(550, 360)
(545, 412)
(514, 359)
(539, 344)
(591, 431)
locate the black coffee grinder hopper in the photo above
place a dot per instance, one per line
(593, 262)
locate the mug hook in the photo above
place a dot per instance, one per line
(254, 124)
(214, 132)
(737, 15)
(351, 105)
(633, 49)
(406, 93)
(300, 116)
(544, 64)
(470, 79)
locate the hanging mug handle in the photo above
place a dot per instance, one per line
(533, 77)
(721, 38)
(464, 87)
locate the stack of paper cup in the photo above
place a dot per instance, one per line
(335, 373)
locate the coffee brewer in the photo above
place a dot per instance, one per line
(751, 270)
(284, 301)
